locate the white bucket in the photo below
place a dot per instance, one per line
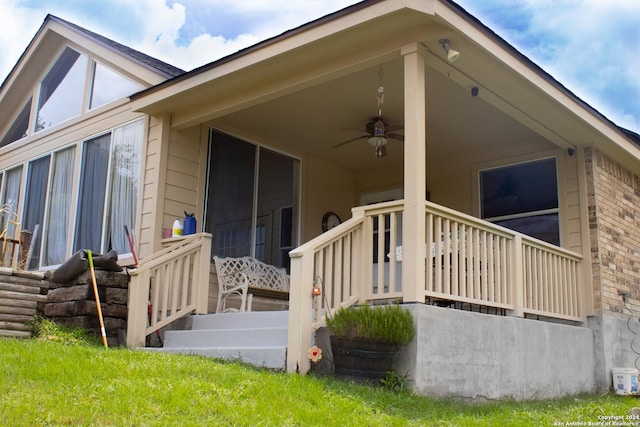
(625, 380)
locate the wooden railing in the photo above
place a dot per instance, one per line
(168, 285)
(467, 261)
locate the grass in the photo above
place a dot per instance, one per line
(63, 377)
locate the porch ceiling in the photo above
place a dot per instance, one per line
(314, 120)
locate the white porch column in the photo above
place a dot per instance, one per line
(415, 173)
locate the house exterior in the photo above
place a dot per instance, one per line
(500, 192)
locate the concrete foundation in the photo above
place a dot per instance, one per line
(617, 345)
(478, 356)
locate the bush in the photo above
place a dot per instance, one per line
(389, 323)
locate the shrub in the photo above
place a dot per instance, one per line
(388, 323)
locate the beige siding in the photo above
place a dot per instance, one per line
(183, 171)
(153, 181)
(572, 224)
(325, 187)
(173, 180)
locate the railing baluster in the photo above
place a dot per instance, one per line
(431, 249)
(463, 266)
(439, 254)
(393, 230)
(446, 255)
(455, 260)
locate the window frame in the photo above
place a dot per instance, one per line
(557, 210)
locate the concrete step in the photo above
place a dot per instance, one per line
(268, 357)
(258, 338)
(242, 337)
(247, 320)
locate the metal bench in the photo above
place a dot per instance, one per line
(243, 277)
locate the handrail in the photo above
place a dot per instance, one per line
(167, 285)
(467, 261)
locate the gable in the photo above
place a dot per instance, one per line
(67, 71)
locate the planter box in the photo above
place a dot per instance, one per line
(362, 359)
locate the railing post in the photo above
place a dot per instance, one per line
(202, 273)
(517, 277)
(300, 312)
(415, 173)
(137, 309)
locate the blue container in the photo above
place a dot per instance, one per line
(189, 225)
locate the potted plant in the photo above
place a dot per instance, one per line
(364, 339)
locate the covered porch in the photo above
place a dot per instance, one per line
(302, 96)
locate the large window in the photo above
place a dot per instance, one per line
(73, 84)
(19, 127)
(34, 205)
(62, 89)
(59, 214)
(109, 185)
(107, 86)
(252, 200)
(9, 211)
(523, 197)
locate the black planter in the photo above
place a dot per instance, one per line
(362, 359)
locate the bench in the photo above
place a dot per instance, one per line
(246, 277)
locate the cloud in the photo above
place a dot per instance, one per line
(210, 30)
(591, 47)
(19, 26)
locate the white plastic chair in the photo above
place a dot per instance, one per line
(232, 282)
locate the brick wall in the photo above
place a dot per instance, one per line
(613, 196)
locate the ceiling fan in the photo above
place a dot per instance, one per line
(377, 134)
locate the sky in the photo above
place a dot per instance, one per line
(592, 47)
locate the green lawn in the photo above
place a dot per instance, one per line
(69, 381)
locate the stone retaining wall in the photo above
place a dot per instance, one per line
(73, 304)
(22, 297)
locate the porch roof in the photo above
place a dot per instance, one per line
(323, 74)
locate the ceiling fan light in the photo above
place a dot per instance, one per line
(377, 141)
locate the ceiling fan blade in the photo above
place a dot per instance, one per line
(358, 129)
(396, 136)
(350, 140)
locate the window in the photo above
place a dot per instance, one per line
(107, 86)
(73, 84)
(124, 185)
(10, 202)
(62, 89)
(523, 197)
(19, 127)
(250, 189)
(59, 211)
(34, 205)
(109, 178)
